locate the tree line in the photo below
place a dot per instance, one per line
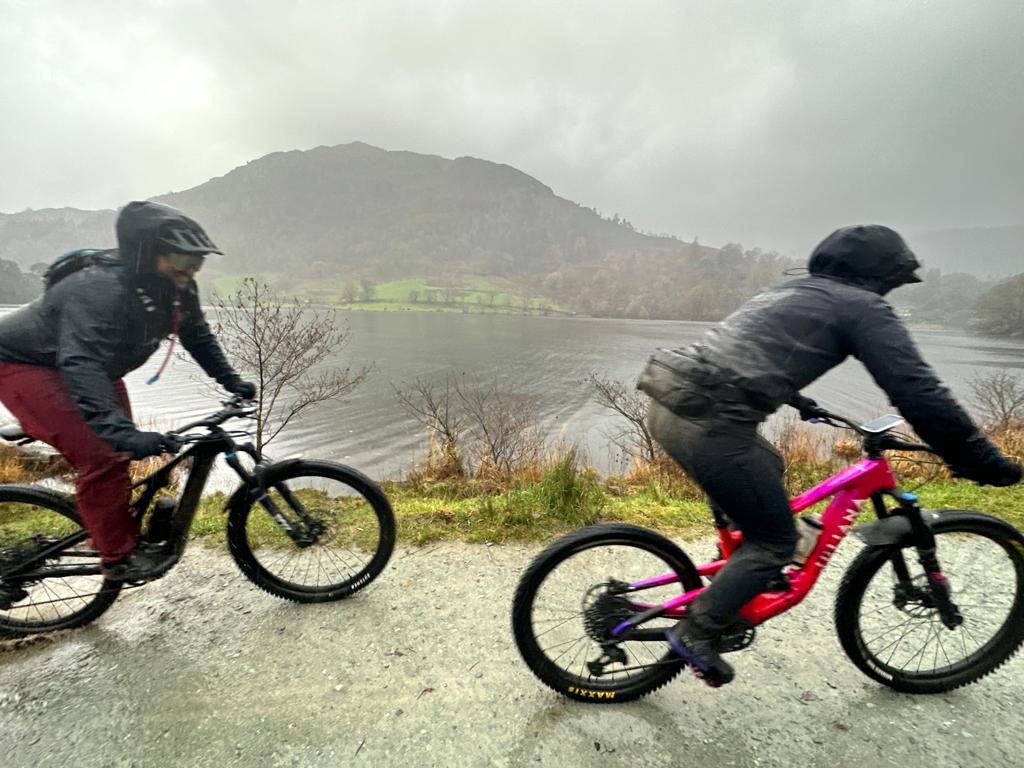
(17, 287)
(687, 284)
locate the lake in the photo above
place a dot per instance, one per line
(546, 359)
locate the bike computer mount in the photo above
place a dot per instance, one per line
(881, 424)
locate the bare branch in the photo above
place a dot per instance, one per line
(287, 349)
(1002, 397)
(634, 439)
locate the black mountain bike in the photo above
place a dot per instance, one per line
(308, 531)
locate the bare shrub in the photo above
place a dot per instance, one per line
(633, 438)
(664, 472)
(1001, 395)
(283, 346)
(1011, 441)
(434, 407)
(502, 425)
(475, 428)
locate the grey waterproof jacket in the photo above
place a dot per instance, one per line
(761, 356)
(103, 321)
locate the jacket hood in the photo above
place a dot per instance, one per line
(146, 229)
(870, 256)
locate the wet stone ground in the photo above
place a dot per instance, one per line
(203, 669)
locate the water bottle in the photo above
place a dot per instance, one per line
(809, 528)
(160, 520)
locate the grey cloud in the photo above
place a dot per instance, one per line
(765, 123)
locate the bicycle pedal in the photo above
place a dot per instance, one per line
(736, 637)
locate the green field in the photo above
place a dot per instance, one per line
(477, 295)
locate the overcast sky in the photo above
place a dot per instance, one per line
(766, 123)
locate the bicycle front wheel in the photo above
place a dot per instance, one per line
(577, 591)
(892, 630)
(49, 573)
(342, 533)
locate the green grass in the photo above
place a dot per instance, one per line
(552, 495)
(563, 499)
(521, 514)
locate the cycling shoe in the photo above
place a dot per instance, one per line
(699, 651)
(9, 595)
(145, 563)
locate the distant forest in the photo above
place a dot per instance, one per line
(698, 286)
(17, 287)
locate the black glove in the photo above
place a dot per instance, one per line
(807, 407)
(244, 389)
(978, 459)
(1003, 473)
(999, 472)
(172, 444)
(153, 444)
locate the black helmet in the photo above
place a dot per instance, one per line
(185, 237)
(146, 230)
(871, 256)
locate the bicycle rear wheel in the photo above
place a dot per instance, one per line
(39, 598)
(892, 631)
(345, 527)
(572, 596)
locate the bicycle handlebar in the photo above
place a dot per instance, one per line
(811, 412)
(233, 408)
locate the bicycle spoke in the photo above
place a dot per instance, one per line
(907, 635)
(340, 525)
(575, 607)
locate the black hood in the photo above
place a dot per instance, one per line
(142, 233)
(870, 256)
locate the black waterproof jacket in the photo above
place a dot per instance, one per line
(762, 355)
(103, 321)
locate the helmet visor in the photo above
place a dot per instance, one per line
(185, 262)
(911, 271)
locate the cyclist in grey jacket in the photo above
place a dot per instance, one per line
(709, 399)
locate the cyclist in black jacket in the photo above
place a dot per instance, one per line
(63, 356)
(709, 399)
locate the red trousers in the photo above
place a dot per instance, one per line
(39, 400)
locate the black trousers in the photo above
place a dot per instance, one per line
(742, 474)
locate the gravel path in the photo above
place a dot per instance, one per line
(202, 669)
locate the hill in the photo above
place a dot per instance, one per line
(30, 237)
(354, 212)
(357, 208)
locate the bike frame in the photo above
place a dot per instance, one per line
(203, 452)
(867, 479)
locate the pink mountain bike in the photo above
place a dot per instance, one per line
(590, 613)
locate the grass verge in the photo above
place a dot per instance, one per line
(560, 494)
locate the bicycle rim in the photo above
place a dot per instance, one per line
(900, 635)
(352, 526)
(33, 521)
(572, 598)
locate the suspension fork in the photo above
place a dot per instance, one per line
(899, 564)
(924, 542)
(304, 533)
